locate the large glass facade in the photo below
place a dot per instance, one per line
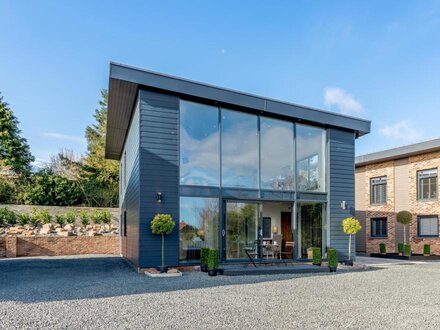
(239, 150)
(310, 158)
(277, 148)
(198, 226)
(199, 144)
(312, 227)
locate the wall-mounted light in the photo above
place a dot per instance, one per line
(344, 205)
(274, 229)
(159, 197)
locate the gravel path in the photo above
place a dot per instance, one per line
(104, 293)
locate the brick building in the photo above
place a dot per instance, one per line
(404, 178)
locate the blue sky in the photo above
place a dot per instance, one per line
(378, 60)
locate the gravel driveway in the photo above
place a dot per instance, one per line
(104, 293)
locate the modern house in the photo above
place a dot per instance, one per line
(404, 178)
(231, 168)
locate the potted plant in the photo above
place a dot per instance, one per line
(162, 224)
(404, 217)
(316, 258)
(400, 249)
(351, 226)
(426, 250)
(212, 262)
(383, 248)
(332, 257)
(204, 253)
(407, 250)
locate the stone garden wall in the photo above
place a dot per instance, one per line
(52, 239)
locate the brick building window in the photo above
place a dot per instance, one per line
(379, 227)
(427, 226)
(427, 184)
(378, 192)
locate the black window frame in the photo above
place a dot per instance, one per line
(380, 181)
(381, 219)
(420, 217)
(427, 176)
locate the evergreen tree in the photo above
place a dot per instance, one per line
(14, 149)
(101, 175)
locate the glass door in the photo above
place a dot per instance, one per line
(311, 227)
(241, 226)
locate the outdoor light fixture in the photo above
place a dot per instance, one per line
(159, 197)
(344, 205)
(274, 229)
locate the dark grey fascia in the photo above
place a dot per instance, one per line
(124, 80)
(398, 153)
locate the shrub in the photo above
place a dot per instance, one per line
(404, 217)
(162, 224)
(7, 217)
(400, 248)
(350, 226)
(407, 249)
(70, 217)
(106, 217)
(95, 216)
(383, 248)
(427, 249)
(40, 216)
(213, 259)
(84, 216)
(24, 218)
(204, 252)
(60, 219)
(332, 257)
(317, 259)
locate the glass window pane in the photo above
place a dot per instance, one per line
(199, 145)
(198, 226)
(276, 154)
(239, 150)
(433, 187)
(310, 145)
(428, 226)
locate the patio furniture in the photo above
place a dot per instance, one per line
(251, 254)
(288, 252)
(277, 241)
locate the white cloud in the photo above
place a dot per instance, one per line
(402, 130)
(59, 136)
(343, 101)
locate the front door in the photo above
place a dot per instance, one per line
(241, 228)
(286, 232)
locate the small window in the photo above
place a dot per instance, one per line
(379, 227)
(125, 169)
(378, 193)
(427, 184)
(125, 223)
(427, 226)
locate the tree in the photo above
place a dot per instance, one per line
(162, 224)
(100, 175)
(14, 149)
(404, 217)
(351, 226)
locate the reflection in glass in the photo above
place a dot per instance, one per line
(199, 145)
(311, 227)
(241, 228)
(239, 150)
(276, 154)
(198, 226)
(310, 163)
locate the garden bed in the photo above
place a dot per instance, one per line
(413, 257)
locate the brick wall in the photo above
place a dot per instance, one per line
(2, 247)
(417, 163)
(401, 194)
(385, 210)
(58, 246)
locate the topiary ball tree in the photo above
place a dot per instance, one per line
(162, 224)
(351, 226)
(404, 217)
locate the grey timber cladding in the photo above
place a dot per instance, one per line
(130, 186)
(159, 168)
(341, 188)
